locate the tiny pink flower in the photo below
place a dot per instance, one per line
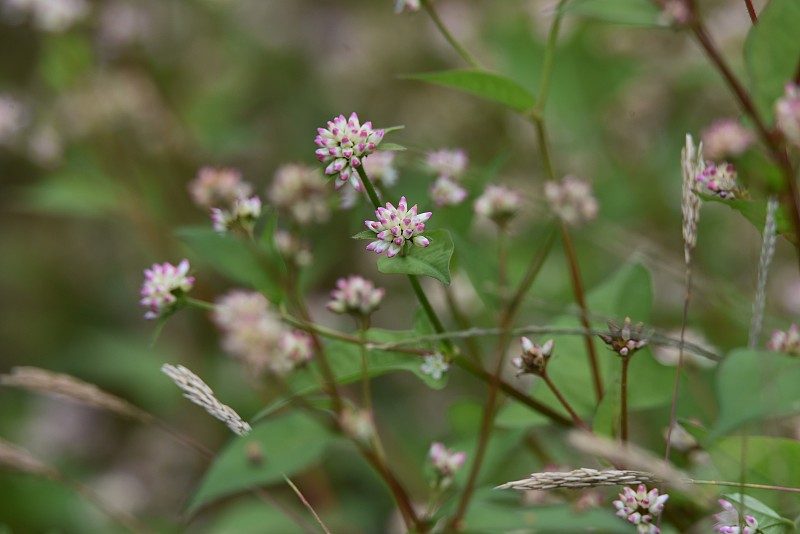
(785, 341)
(726, 137)
(397, 226)
(571, 200)
(498, 203)
(406, 5)
(293, 250)
(294, 349)
(163, 285)
(787, 114)
(218, 188)
(449, 163)
(730, 522)
(243, 213)
(446, 461)
(380, 168)
(355, 295)
(639, 507)
(343, 145)
(445, 191)
(720, 180)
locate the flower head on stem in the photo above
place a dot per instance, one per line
(446, 462)
(787, 341)
(243, 214)
(534, 357)
(498, 203)
(300, 191)
(625, 339)
(397, 226)
(355, 295)
(343, 144)
(571, 200)
(726, 137)
(446, 191)
(720, 180)
(451, 163)
(216, 187)
(163, 285)
(639, 507)
(729, 521)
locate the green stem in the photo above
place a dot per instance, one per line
(371, 193)
(429, 311)
(547, 65)
(203, 305)
(365, 390)
(502, 265)
(466, 56)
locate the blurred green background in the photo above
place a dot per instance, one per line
(107, 112)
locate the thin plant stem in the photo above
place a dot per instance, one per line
(370, 189)
(365, 390)
(202, 304)
(751, 11)
(465, 55)
(429, 311)
(547, 65)
(124, 519)
(563, 401)
(402, 499)
(744, 485)
(502, 264)
(673, 418)
(306, 504)
(580, 298)
(623, 418)
(544, 147)
(286, 510)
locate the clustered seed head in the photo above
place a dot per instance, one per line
(434, 365)
(163, 285)
(343, 144)
(397, 226)
(787, 114)
(446, 461)
(787, 341)
(581, 478)
(300, 191)
(534, 357)
(726, 137)
(625, 339)
(729, 521)
(215, 187)
(571, 200)
(692, 164)
(254, 334)
(355, 295)
(498, 203)
(720, 180)
(639, 507)
(199, 393)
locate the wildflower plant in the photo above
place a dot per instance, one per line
(350, 368)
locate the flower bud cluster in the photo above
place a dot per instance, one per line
(726, 137)
(355, 295)
(639, 507)
(164, 284)
(343, 144)
(730, 522)
(571, 200)
(787, 341)
(228, 197)
(625, 339)
(534, 357)
(498, 203)
(720, 180)
(300, 192)
(446, 462)
(397, 226)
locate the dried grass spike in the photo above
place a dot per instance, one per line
(19, 459)
(581, 478)
(44, 381)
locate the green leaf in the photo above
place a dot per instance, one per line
(754, 384)
(250, 517)
(772, 52)
(433, 260)
(769, 521)
(235, 258)
(391, 147)
(488, 85)
(631, 12)
(756, 213)
(364, 234)
(287, 445)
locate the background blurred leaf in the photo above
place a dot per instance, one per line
(769, 521)
(288, 444)
(433, 260)
(755, 384)
(633, 12)
(488, 85)
(772, 52)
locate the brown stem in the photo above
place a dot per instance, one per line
(400, 496)
(623, 419)
(673, 418)
(751, 11)
(563, 401)
(580, 298)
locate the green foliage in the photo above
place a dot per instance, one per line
(755, 384)
(772, 51)
(488, 85)
(769, 521)
(433, 260)
(281, 446)
(631, 12)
